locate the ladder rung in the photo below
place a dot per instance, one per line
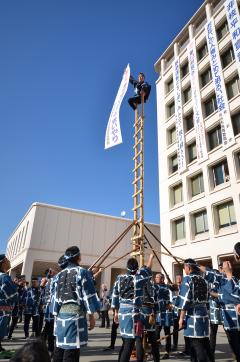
(137, 207)
(137, 193)
(137, 179)
(137, 167)
(135, 134)
(137, 155)
(139, 123)
(139, 141)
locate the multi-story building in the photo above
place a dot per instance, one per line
(199, 147)
(46, 231)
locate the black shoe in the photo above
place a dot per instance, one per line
(101, 326)
(2, 349)
(110, 348)
(9, 338)
(165, 356)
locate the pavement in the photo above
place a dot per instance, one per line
(99, 339)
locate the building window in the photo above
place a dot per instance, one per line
(227, 57)
(237, 163)
(197, 185)
(172, 135)
(202, 51)
(206, 77)
(189, 122)
(170, 109)
(233, 87)
(226, 215)
(236, 123)
(222, 30)
(192, 152)
(179, 229)
(215, 137)
(210, 106)
(200, 222)
(187, 95)
(169, 86)
(173, 163)
(176, 194)
(220, 173)
(184, 70)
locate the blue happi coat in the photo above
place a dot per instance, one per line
(193, 298)
(8, 299)
(215, 312)
(175, 309)
(163, 299)
(149, 307)
(32, 301)
(74, 298)
(127, 298)
(230, 318)
(49, 299)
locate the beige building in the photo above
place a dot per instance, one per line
(199, 204)
(46, 231)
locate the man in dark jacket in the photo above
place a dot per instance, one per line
(140, 88)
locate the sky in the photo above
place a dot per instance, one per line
(61, 63)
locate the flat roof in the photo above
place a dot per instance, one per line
(50, 206)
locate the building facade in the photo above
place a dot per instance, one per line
(198, 111)
(46, 231)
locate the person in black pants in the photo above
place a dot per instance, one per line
(113, 336)
(31, 301)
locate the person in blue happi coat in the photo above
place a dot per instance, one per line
(192, 300)
(32, 305)
(215, 312)
(149, 310)
(47, 294)
(74, 298)
(228, 301)
(17, 310)
(127, 300)
(140, 88)
(163, 296)
(8, 297)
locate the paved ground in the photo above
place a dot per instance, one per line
(100, 338)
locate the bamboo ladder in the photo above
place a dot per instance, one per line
(138, 183)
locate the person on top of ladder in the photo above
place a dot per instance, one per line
(140, 87)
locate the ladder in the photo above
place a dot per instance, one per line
(138, 183)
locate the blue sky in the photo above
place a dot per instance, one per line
(61, 64)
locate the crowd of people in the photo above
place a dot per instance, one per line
(63, 305)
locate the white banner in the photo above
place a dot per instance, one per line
(202, 153)
(179, 116)
(113, 134)
(233, 18)
(220, 90)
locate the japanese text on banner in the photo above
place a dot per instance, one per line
(113, 134)
(202, 154)
(179, 116)
(233, 18)
(218, 80)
